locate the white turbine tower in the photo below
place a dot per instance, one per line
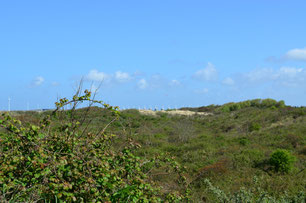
(9, 104)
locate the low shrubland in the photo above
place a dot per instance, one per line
(252, 151)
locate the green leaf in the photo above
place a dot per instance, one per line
(41, 136)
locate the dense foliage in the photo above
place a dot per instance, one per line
(282, 161)
(59, 159)
(259, 103)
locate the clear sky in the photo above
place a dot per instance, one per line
(152, 53)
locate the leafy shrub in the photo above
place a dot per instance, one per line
(59, 159)
(255, 102)
(280, 104)
(282, 160)
(135, 124)
(160, 135)
(254, 127)
(225, 108)
(259, 103)
(254, 194)
(243, 141)
(268, 103)
(235, 107)
(245, 104)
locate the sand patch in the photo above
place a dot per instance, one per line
(174, 112)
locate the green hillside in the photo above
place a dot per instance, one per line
(225, 156)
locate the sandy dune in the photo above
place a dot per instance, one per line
(174, 112)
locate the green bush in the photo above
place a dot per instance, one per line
(254, 127)
(230, 107)
(259, 103)
(282, 160)
(235, 107)
(245, 104)
(60, 160)
(243, 141)
(255, 102)
(268, 103)
(281, 104)
(225, 108)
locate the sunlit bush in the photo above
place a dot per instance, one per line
(282, 160)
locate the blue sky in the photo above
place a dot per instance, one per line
(153, 53)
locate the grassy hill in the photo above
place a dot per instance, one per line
(230, 147)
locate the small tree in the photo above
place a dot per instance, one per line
(281, 104)
(282, 160)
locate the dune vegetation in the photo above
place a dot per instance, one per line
(250, 151)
